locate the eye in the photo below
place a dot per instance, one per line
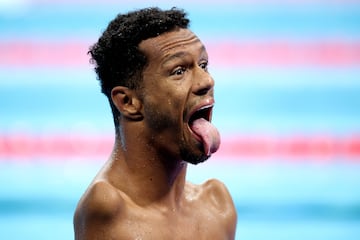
(204, 65)
(179, 71)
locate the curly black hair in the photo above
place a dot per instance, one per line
(117, 58)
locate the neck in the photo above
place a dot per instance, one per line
(146, 175)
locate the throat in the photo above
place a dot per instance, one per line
(151, 179)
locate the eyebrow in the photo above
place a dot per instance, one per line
(180, 55)
(174, 56)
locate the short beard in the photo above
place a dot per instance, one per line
(190, 157)
(159, 122)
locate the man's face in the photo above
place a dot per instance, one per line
(177, 92)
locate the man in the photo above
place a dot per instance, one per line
(153, 70)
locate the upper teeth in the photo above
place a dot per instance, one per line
(204, 107)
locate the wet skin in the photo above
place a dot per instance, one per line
(176, 83)
(141, 192)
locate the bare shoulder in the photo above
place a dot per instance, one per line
(101, 199)
(99, 205)
(217, 190)
(217, 197)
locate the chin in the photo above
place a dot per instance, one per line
(193, 158)
(191, 151)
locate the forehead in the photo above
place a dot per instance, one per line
(169, 43)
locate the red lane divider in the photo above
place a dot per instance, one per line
(329, 148)
(292, 147)
(222, 54)
(285, 53)
(53, 146)
(57, 54)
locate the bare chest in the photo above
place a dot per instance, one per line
(153, 224)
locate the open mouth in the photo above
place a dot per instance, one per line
(204, 112)
(201, 128)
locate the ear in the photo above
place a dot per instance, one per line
(127, 102)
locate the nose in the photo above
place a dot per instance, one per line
(203, 82)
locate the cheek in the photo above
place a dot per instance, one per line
(177, 98)
(166, 102)
(174, 105)
(158, 115)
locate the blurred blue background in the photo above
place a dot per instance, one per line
(288, 97)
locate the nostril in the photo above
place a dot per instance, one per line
(204, 86)
(202, 91)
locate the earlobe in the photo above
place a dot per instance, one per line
(127, 102)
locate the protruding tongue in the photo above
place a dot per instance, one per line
(208, 133)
